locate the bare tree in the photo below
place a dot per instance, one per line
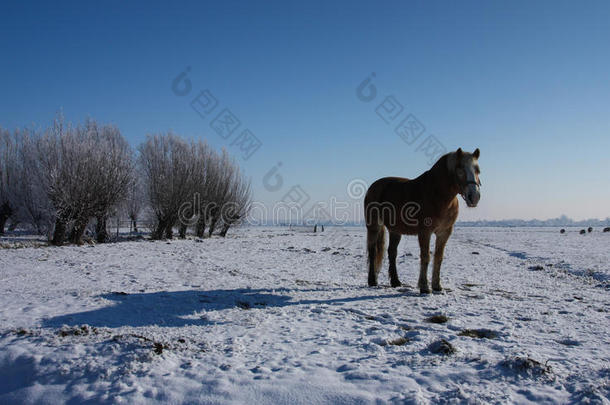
(9, 175)
(238, 203)
(134, 202)
(229, 194)
(35, 208)
(114, 173)
(70, 175)
(85, 172)
(166, 162)
(199, 159)
(56, 152)
(219, 189)
(207, 172)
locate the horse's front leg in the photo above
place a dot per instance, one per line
(439, 249)
(392, 253)
(424, 257)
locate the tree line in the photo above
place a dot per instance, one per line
(67, 180)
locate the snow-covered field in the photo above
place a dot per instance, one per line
(271, 315)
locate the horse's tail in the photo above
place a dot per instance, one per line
(380, 245)
(375, 241)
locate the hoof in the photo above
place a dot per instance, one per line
(437, 288)
(372, 283)
(424, 290)
(396, 284)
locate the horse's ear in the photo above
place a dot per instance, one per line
(476, 153)
(459, 153)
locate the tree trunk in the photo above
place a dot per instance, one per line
(200, 227)
(169, 230)
(158, 233)
(214, 213)
(3, 219)
(78, 231)
(5, 213)
(101, 233)
(39, 229)
(224, 230)
(212, 226)
(182, 231)
(134, 224)
(59, 234)
(13, 226)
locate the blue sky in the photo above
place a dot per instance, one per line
(526, 82)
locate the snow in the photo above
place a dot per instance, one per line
(278, 316)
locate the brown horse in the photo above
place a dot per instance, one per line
(423, 206)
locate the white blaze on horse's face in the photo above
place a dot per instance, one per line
(472, 191)
(467, 171)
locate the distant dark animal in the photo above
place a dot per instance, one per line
(582, 231)
(607, 229)
(589, 229)
(423, 206)
(562, 231)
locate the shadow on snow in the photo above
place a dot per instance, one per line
(184, 308)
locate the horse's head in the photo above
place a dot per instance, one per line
(466, 168)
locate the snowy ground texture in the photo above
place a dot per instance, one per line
(279, 316)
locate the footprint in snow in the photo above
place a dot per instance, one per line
(569, 342)
(479, 333)
(347, 367)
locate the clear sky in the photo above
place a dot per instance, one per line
(526, 82)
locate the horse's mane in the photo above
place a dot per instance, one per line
(444, 165)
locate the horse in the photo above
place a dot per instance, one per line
(422, 206)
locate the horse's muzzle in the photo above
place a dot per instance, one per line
(471, 195)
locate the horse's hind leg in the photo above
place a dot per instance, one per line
(439, 249)
(374, 242)
(392, 252)
(424, 256)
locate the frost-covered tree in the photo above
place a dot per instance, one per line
(35, 208)
(135, 202)
(199, 161)
(65, 176)
(206, 167)
(9, 176)
(238, 203)
(219, 189)
(57, 152)
(114, 175)
(226, 195)
(166, 164)
(85, 171)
